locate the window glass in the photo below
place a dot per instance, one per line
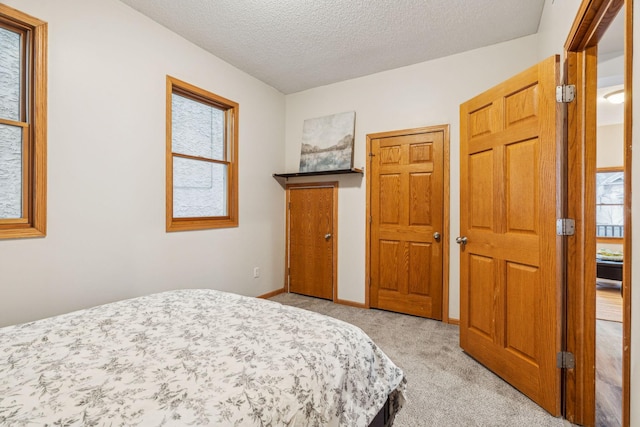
(10, 74)
(200, 188)
(197, 128)
(10, 172)
(610, 204)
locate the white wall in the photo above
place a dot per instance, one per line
(106, 235)
(555, 24)
(425, 94)
(610, 146)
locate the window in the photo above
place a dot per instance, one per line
(610, 203)
(202, 158)
(23, 127)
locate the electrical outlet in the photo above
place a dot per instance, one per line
(256, 272)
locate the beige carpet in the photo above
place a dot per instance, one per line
(445, 386)
(608, 302)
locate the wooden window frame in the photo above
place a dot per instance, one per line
(231, 112)
(33, 121)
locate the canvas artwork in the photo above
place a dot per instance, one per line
(327, 143)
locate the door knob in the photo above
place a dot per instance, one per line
(327, 236)
(461, 240)
(436, 236)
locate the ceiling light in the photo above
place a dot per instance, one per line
(615, 97)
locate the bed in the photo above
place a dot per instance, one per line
(195, 357)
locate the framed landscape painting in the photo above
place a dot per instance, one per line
(327, 143)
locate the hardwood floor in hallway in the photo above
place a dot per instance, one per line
(608, 357)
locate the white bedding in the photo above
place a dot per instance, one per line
(192, 357)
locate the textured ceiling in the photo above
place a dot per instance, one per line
(295, 45)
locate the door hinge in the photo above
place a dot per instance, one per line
(565, 227)
(565, 93)
(371, 155)
(370, 219)
(565, 360)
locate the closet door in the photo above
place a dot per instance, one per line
(312, 243)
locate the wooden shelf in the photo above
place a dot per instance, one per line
(330, 172)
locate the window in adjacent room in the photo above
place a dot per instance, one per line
(202, 158)
(610, 203)
(23, 127)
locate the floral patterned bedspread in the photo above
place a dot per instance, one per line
(192, 357)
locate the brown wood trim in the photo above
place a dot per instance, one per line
(592, 20)
(349, 303)
(168, 156)
(446, 225)
(198, 94)
(286, 238)
(579, 392)
(21, 17)
(616, 240)
(446, 211)
(367, 221)
(13, 123)
(453, 321)
(627, 246)
(334, 239)
(201, 159)
(334, 185)
(272, 293)
(611, 169)
(287, 201)
(10, 222)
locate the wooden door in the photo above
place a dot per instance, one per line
(510, 281)
(311, 250)
(406, 223)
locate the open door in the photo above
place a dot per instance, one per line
(510, 319)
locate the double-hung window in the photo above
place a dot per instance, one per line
(23, 105)
(610, 204)
(202, 159)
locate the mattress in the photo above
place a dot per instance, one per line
(193, 357)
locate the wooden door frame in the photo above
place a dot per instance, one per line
(445, 212)
(592, 20)
(334, 232)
